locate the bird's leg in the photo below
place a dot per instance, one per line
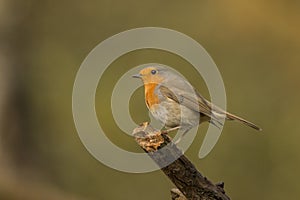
(181, 136)
(171, 129)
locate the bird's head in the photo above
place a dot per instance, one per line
(151, 75)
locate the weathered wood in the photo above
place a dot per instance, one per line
(177, 195)
(176, 166)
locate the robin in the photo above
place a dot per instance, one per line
(173, 101)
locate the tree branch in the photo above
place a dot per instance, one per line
(177, 167)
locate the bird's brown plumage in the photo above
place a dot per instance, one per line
(173, 101)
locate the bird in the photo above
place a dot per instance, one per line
(173, 101)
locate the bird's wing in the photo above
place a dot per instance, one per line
(195, 101)
(191, 99)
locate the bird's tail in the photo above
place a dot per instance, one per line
(230, 116)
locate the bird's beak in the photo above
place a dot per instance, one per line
(137, 76)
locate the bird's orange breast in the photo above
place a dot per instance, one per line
(150, 96)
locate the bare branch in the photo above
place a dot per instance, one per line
(181, 172)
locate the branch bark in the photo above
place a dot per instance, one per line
(189, 181)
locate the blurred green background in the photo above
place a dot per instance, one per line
(256, 46)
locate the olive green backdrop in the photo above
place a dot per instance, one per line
(256, 46)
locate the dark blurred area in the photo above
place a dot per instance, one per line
(256, 46)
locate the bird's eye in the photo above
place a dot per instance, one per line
(153, 72)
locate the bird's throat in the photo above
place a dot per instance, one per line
(151, 97)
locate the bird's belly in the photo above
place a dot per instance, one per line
(172, 114)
